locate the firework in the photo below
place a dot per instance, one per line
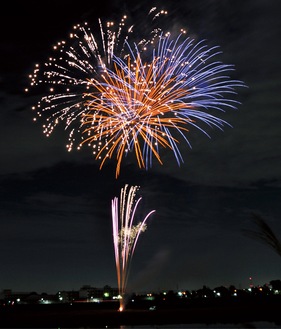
(126, 234)
(264, 233)
(121, 96)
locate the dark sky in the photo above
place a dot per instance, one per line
(55, 206)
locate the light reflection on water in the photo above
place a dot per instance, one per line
(246, 325)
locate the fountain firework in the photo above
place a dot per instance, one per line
(126, 235)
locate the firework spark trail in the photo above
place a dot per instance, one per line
(77, 61)
(126, 234)
(119, 95)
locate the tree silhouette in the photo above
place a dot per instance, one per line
(264, 233)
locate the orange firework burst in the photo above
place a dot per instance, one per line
(135, 110)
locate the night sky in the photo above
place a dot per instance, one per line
(55, 206)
